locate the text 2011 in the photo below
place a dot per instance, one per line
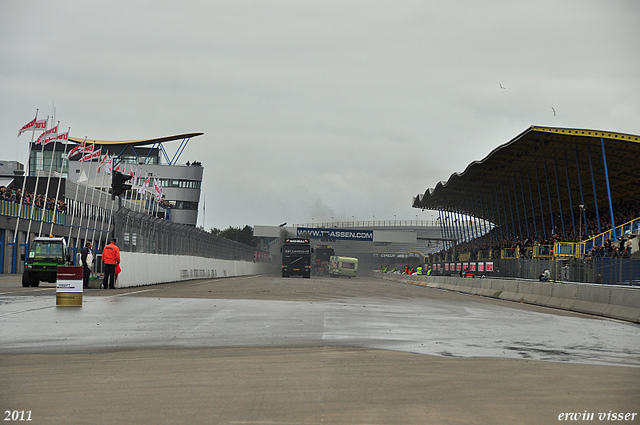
(17, 415)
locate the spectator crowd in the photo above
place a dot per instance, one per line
(39, 200)
(497, 239)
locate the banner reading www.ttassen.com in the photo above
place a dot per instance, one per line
(341, 234)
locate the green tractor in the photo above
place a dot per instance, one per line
(45, 255)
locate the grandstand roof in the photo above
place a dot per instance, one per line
(519, 172)
(138, 142)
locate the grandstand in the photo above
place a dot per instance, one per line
(558, 198)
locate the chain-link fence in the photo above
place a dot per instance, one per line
(140, 232)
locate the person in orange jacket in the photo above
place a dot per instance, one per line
(110, 258)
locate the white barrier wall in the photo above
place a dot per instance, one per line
(619, 302)
(140, 269)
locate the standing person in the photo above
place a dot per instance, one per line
(111, 258)
(86, 258)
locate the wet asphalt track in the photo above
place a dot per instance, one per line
(466, 326)
(315, 321)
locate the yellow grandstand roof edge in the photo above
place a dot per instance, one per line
(577, 134)
(587, 133)
(137, 142)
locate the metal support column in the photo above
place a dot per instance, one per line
(474, 223)
(498, 221)
(606, 176)
(573, 217)
(582, 209)
(515, 197)
(533, 208)
(524, 206)
(544, 227)
(546, 176)
(510, 231)
(593, 184)
(555, 170)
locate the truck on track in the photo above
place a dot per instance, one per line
(45, 255)
(296, 257)
(321, 256)
(343, 266)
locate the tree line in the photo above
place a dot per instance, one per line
(242, 235)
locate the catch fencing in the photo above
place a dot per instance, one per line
(140, 232)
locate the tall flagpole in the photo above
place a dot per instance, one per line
(93, 235)
(64, 158)
(93, 191)
(86, 187)
(46, 191)
(24, 181)
(75, 206)
(107, 217)
(35, 189)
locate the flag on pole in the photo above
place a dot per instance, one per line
(31, 125)
(157, 186)
(108, 166)
(61, 136)
(46, 134)
(102, 162)
(91, 156)
(144, 185)
(77, 150)
(41, 124)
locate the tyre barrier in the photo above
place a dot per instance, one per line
(617, 302)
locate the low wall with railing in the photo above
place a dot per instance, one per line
(617, 302)
(139, 269)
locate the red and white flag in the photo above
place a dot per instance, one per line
(46, 135)
(41, 125)
(91, 156)
(103, 161)
(144, 185)
(78, 149)
(157, 186)
(108, 166)
(61, 136)
(31, 125)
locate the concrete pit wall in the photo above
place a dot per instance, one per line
(139, 269)
(618, 302)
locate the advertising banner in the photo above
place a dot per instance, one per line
(337, 234)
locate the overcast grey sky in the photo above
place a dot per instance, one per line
(319, 109)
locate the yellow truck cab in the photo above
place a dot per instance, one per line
(343, 266)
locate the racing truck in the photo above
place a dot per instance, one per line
(321, 256)
(296, 257)
(45, 255)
